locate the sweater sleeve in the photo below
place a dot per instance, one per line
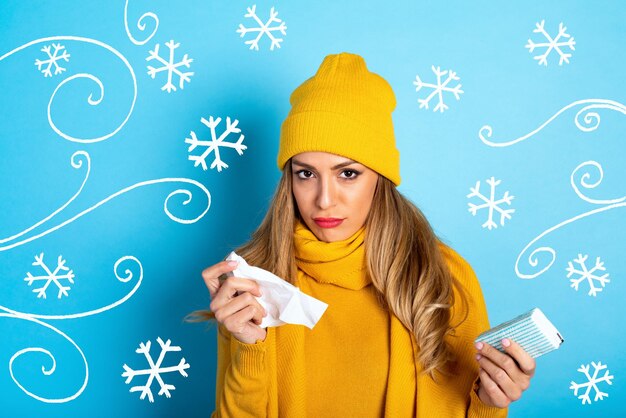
(241, 381)
(473, 324)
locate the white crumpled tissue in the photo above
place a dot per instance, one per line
(284, 302)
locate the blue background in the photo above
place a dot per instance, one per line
(442, 156)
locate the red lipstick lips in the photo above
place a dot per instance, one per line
(328, 222)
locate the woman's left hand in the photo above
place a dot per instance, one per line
(503, 376)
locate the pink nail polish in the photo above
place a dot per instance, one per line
(479, 345)
(506, 342)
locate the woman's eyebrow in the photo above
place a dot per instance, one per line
(296, 162)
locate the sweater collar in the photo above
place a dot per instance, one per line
(341, 263)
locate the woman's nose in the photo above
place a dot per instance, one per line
(326, 193)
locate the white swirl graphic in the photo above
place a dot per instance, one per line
(533, 260)
(583, 182)
(129, 276)
(49, 371)
(134, 186)
(591, 120)
(76, 163)
(127, 189)
(83, 75)
(140, 25)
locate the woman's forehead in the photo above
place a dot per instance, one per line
(321, 158)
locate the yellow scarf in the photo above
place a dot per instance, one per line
(343, 263)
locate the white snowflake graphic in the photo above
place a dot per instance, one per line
(155, 370)
(53, 59)
(263, 28)
(587, 275)
(51, 277)
(214, 144)
(439, 88)
(170, 66)
(592, 382)
(491, 203)
(552, 44)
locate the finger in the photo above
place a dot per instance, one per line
(498, 375)
(230, 289)
(502, 360)
(492, 390)
(232, 285)
(211, 275)
(237, 304)
(525, 362)
(237, 322)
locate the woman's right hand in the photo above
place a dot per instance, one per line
(233, 303)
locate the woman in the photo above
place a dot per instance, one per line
(404, 308)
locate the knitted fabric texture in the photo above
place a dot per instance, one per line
(344, 109)
(269, 378)
(345, 258)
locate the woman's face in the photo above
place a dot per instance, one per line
(327, 185)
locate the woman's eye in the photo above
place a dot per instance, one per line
(356, 174)
(306, 174)
(303, 171)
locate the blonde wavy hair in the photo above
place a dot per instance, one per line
(404, 262)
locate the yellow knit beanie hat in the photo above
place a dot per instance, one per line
(344, 109)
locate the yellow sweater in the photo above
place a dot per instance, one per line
(347, 358)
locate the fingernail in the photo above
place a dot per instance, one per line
(479, 345)
(478, 356)
(506, 342)
(232, 263)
